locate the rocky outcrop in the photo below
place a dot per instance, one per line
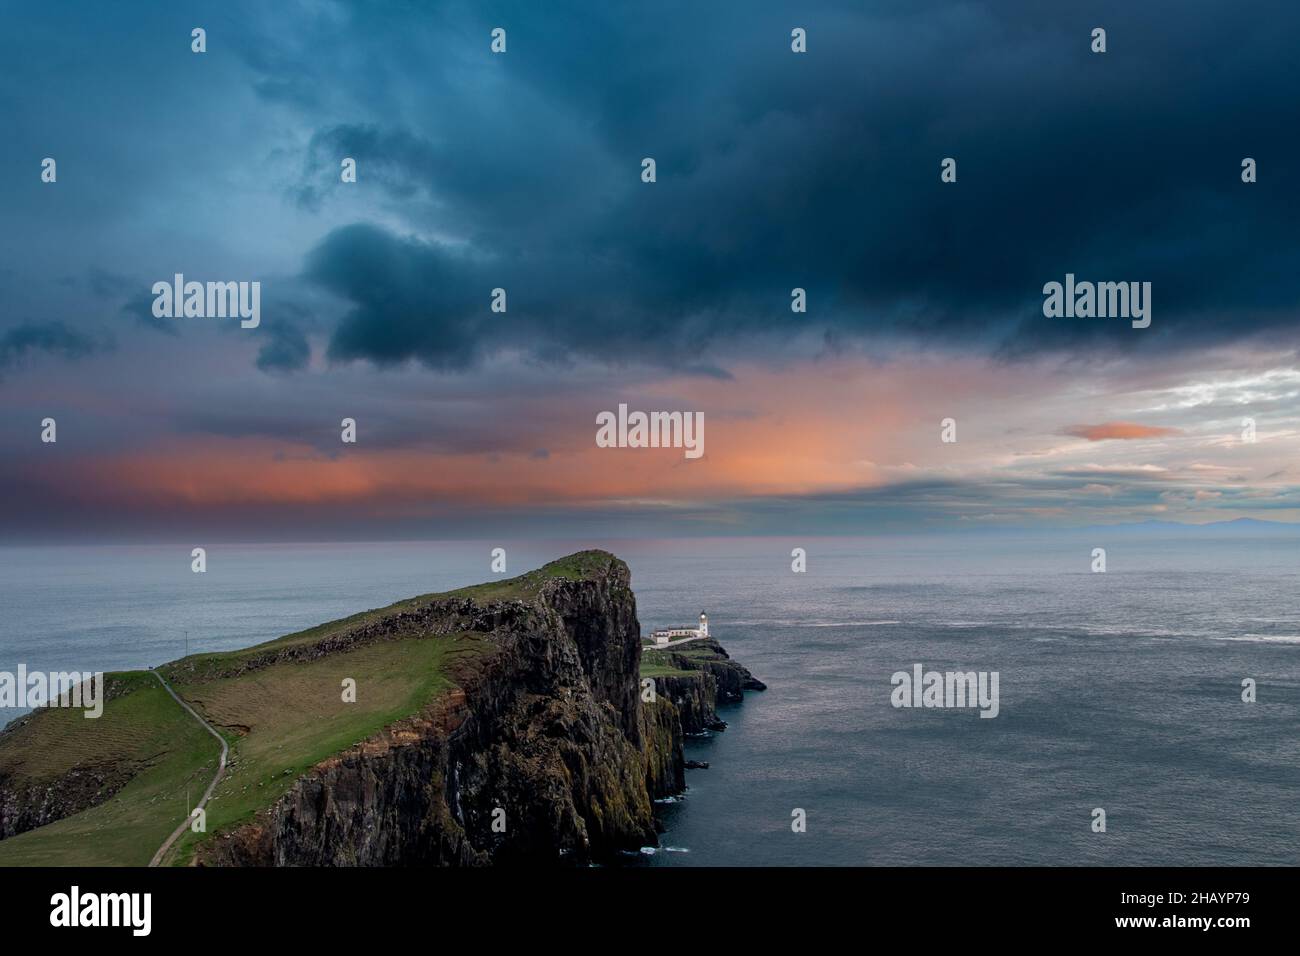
(538, 758)
(26, 806)
(546, 752)
(695, 696)
(28, 801)
(710, 677)
(663, 734)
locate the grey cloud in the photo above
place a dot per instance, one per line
(777, 170)
(52, 338)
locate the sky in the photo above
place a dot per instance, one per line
(522, 170)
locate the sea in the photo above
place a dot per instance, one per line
(1119, 691)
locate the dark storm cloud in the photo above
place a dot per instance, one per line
(286, 351)
(445, 415)
(409, 297)
(108, 284)
(398, 162)
(52, 338)
(821, 171)
(140, 308)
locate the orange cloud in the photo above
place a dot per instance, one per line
(825, 426)
(1123, 430)
(822, 427)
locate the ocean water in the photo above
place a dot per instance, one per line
(1119, 690)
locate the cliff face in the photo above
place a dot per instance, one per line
(538, 757)
(548, 753)
(662, 731)
(706, 677)
(550, 749)
(25, 807)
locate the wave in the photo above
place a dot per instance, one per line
(1265, 638)
(1063, 631)
(1119, 630)
(790, 623)
(850, 623)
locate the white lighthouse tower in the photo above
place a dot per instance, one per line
(704, 624)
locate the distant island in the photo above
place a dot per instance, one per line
(515, 721)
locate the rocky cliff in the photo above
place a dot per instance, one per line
(700, 675)
(28, 799)
(550, 751)
(545, 746)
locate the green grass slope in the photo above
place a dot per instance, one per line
(282, 720)
(279, 720)
(142, 734)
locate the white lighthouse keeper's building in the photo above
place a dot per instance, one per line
(665, 634)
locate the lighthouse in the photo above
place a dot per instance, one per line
(674, 635)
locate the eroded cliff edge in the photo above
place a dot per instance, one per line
(550, 750)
